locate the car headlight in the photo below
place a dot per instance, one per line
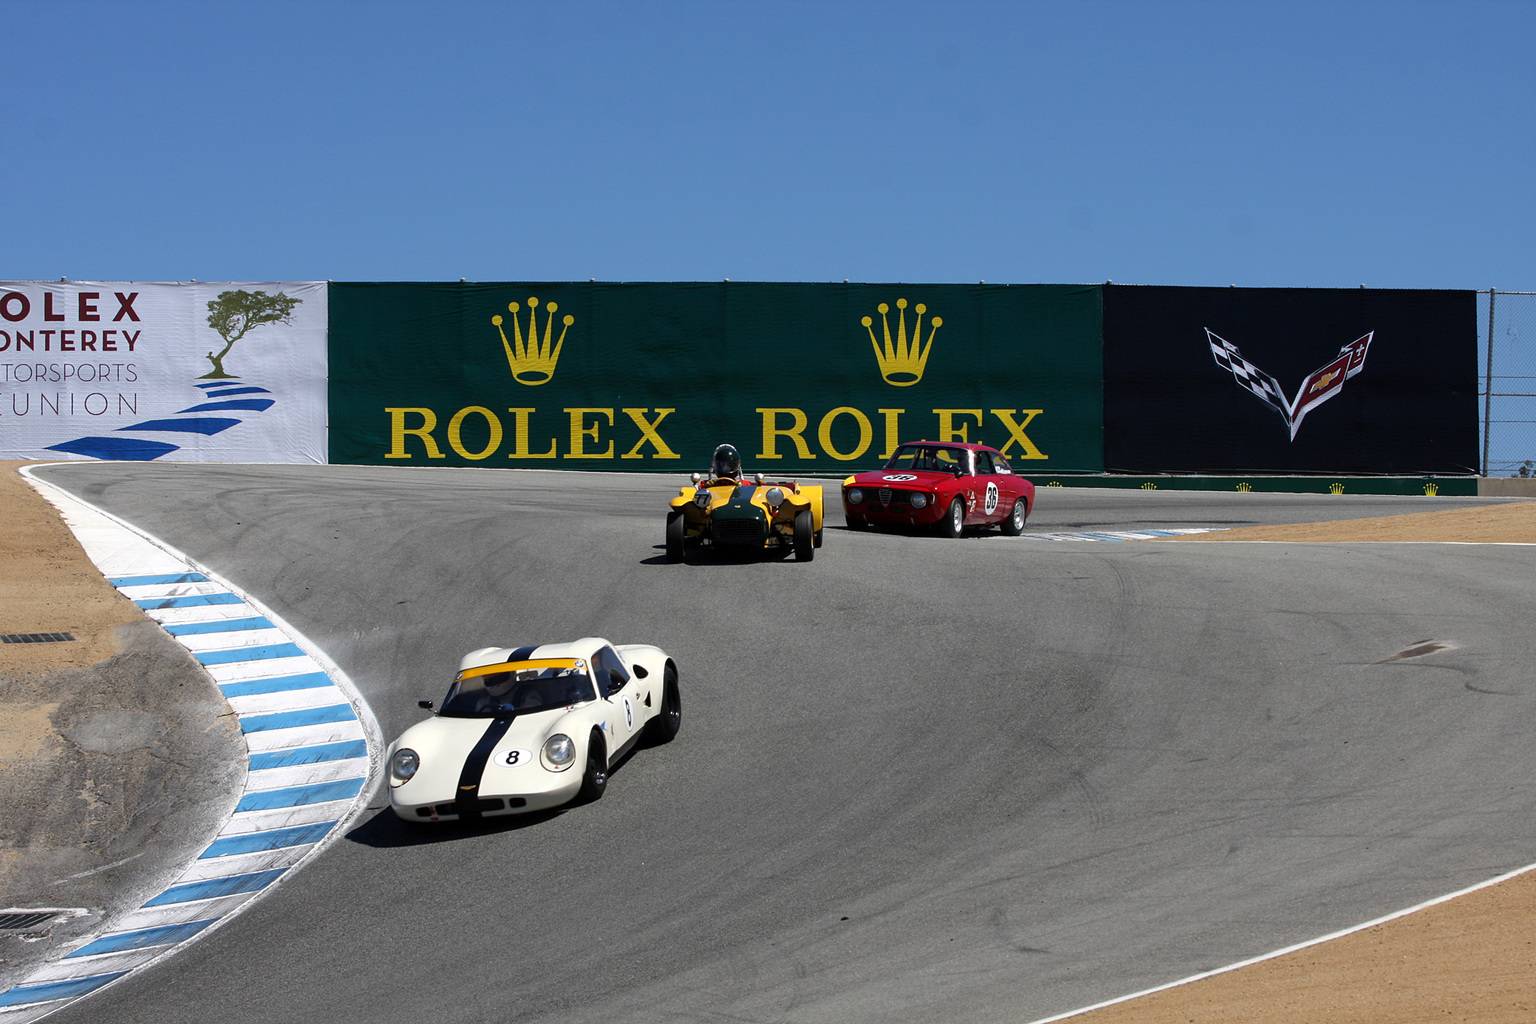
(701, 498)
(919, 500)
(559, 752)
(855, 496)
(403, 765)
(775, 496)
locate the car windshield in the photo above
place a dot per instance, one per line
(519, 687)
(931, 457)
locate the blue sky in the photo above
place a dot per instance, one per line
(1282, 144)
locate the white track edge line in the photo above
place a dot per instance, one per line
(1307, 944)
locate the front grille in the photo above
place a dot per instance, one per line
(738, 531)
(484, 805)
(891, 496)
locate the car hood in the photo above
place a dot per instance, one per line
(905, 478)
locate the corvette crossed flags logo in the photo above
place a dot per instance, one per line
(1321, 384)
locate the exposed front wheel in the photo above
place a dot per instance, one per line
(953, 523)
(805, 536)
(1014, 524)
(675, 537)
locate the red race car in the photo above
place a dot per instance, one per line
(947, 486)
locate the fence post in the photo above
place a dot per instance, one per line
(1488, 387)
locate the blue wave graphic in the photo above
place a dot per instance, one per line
(187, 421)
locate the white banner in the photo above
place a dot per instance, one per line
(178, 372)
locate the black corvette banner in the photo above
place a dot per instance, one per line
(1289, 381)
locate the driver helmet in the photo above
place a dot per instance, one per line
(726, 463)
(500, 684)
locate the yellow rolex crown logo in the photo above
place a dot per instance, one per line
(532, 358)
(901, 361)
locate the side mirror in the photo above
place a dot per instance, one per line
(696, 477)
(425, 704)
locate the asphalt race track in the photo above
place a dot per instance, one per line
(991, 779)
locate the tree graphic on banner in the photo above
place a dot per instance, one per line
(236, 312)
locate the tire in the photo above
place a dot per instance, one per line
(818, 537)
(855, 524)
(1014, 524)
(664, 726)
(675, 537)
(594, 781)
(805, 536)
(953, 523)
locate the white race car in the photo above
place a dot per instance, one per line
(528, 728)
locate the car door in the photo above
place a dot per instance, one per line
(990, 507)
(622, 691)
(957, 461)
(1009, 485)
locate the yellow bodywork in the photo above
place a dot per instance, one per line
(748, 499)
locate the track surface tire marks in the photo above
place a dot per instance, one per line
(919, 780)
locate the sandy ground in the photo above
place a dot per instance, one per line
(75, 718)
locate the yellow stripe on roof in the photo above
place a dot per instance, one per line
(513, 666)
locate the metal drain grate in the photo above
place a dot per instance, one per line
(16, 921)
(35, 638)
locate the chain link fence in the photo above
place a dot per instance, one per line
(1507, 381)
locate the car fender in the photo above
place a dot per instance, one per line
(804, 497)
(654, 661)
(442, 744)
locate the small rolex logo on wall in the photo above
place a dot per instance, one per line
(531, 358)
(902, 361)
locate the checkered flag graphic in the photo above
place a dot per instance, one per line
(1248, 375)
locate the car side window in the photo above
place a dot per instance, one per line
(610, 672)
(1000, 465)
(983, 464)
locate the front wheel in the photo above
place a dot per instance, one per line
(953, 523)
(1014, 524)
(675, 537)
(805, 536)
(594, 781)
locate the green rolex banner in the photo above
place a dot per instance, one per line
(801, 378)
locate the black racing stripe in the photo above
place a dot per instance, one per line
(743, 492)
(522, 653)
(467, 797)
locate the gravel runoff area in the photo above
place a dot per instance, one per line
(119, 757)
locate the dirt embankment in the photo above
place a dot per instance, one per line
(1512, 523)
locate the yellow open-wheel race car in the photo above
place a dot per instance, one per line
(722, 510)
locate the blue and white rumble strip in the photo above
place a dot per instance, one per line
(312, 745)
(1123, 534)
